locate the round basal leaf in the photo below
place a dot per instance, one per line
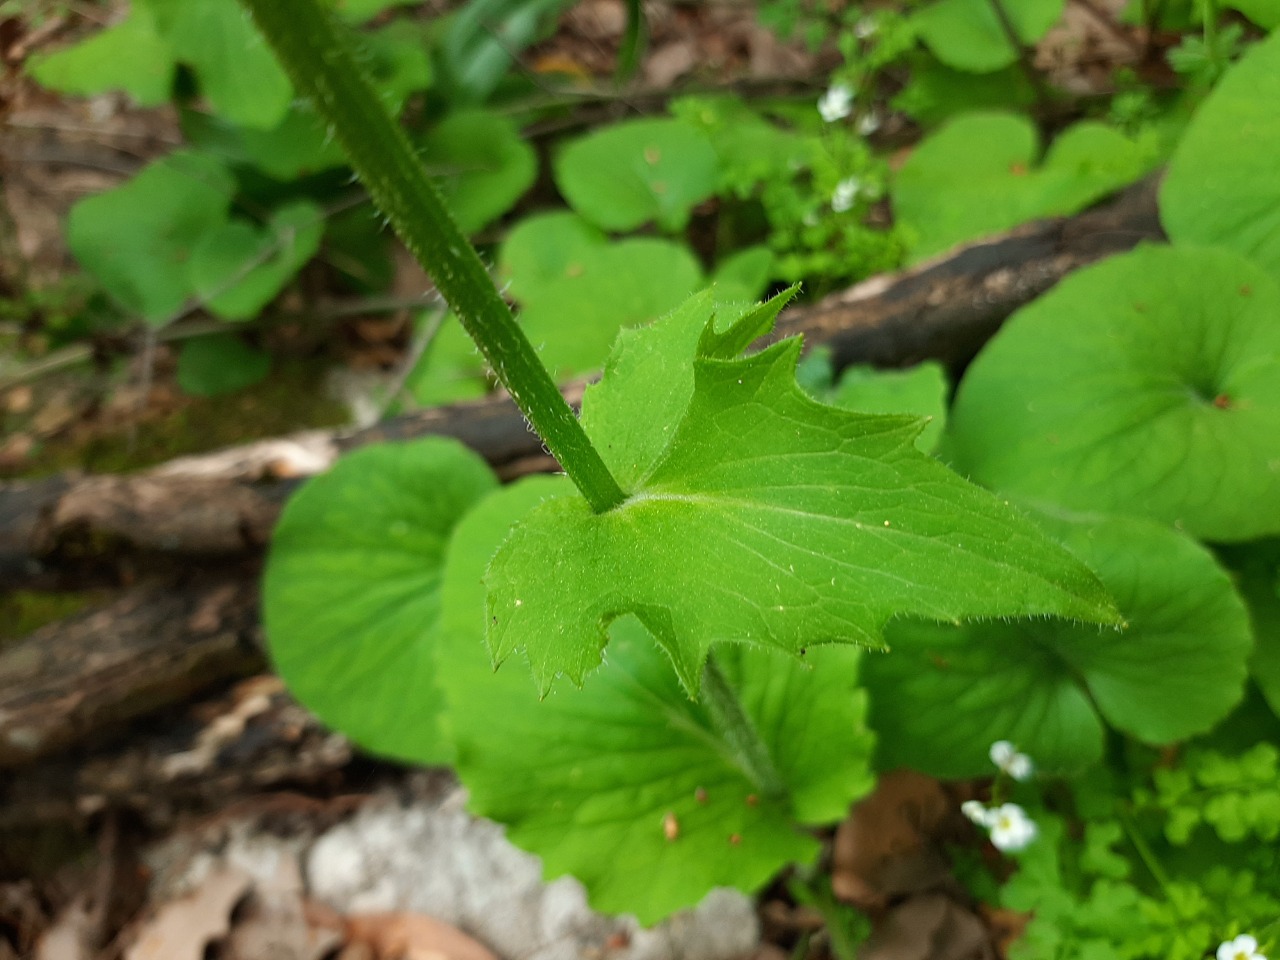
(130, 56)
(238, 268)
(920, 390)
(943, 695)
(222, 363)
(627, 174)
(137, 239)
(625, 784)
(481, 163)
(1257, 570)
(546, 248)
(1148, 384)
(1221, 188)
(968, 34)
(574, 320)
(351, 594)
(978, 175)
(237, 72)
(757, 513)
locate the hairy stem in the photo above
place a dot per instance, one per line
(733, 724)
(319, 56)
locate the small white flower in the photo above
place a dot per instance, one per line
(975, 811)
(845, 193)
(1243, 947)
(866, 27)
(868, 124)
(836, 103)
(1007, 758)
(1011, 828)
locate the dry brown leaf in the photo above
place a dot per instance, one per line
(929, 927)
(181, 929)
(883, 848)
(411, 936)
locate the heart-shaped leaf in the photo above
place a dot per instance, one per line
(944, 694)
(351, 594)
(237, 71)
(978, 175)
(811, 524)
(627, 174)
(131, 56)
(1221, 189)
(238, 268)
(482, 165)
(137, 239)
(1148, 384)
(626, 784)
(969, 35)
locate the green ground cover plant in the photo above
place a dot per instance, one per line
(761, 583)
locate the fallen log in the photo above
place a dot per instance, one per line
(223, 505)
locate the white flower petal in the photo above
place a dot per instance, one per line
(975, 811)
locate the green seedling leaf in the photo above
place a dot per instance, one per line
(1148, 384)
(968, 35)
(978, 175)
(943, 694)
(238, 73)
(1257, 570)
(131, 56)
(625, 175)
(1221, 188)
(351, 594)
(483, 165)
(920, 390)
(758, 515)
(237, 268)
(222, 363)
(137, 239)
(625, 784)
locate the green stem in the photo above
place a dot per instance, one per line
(733, 724)
(319, 56)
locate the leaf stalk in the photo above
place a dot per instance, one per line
(320, 57)
(736, 729)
